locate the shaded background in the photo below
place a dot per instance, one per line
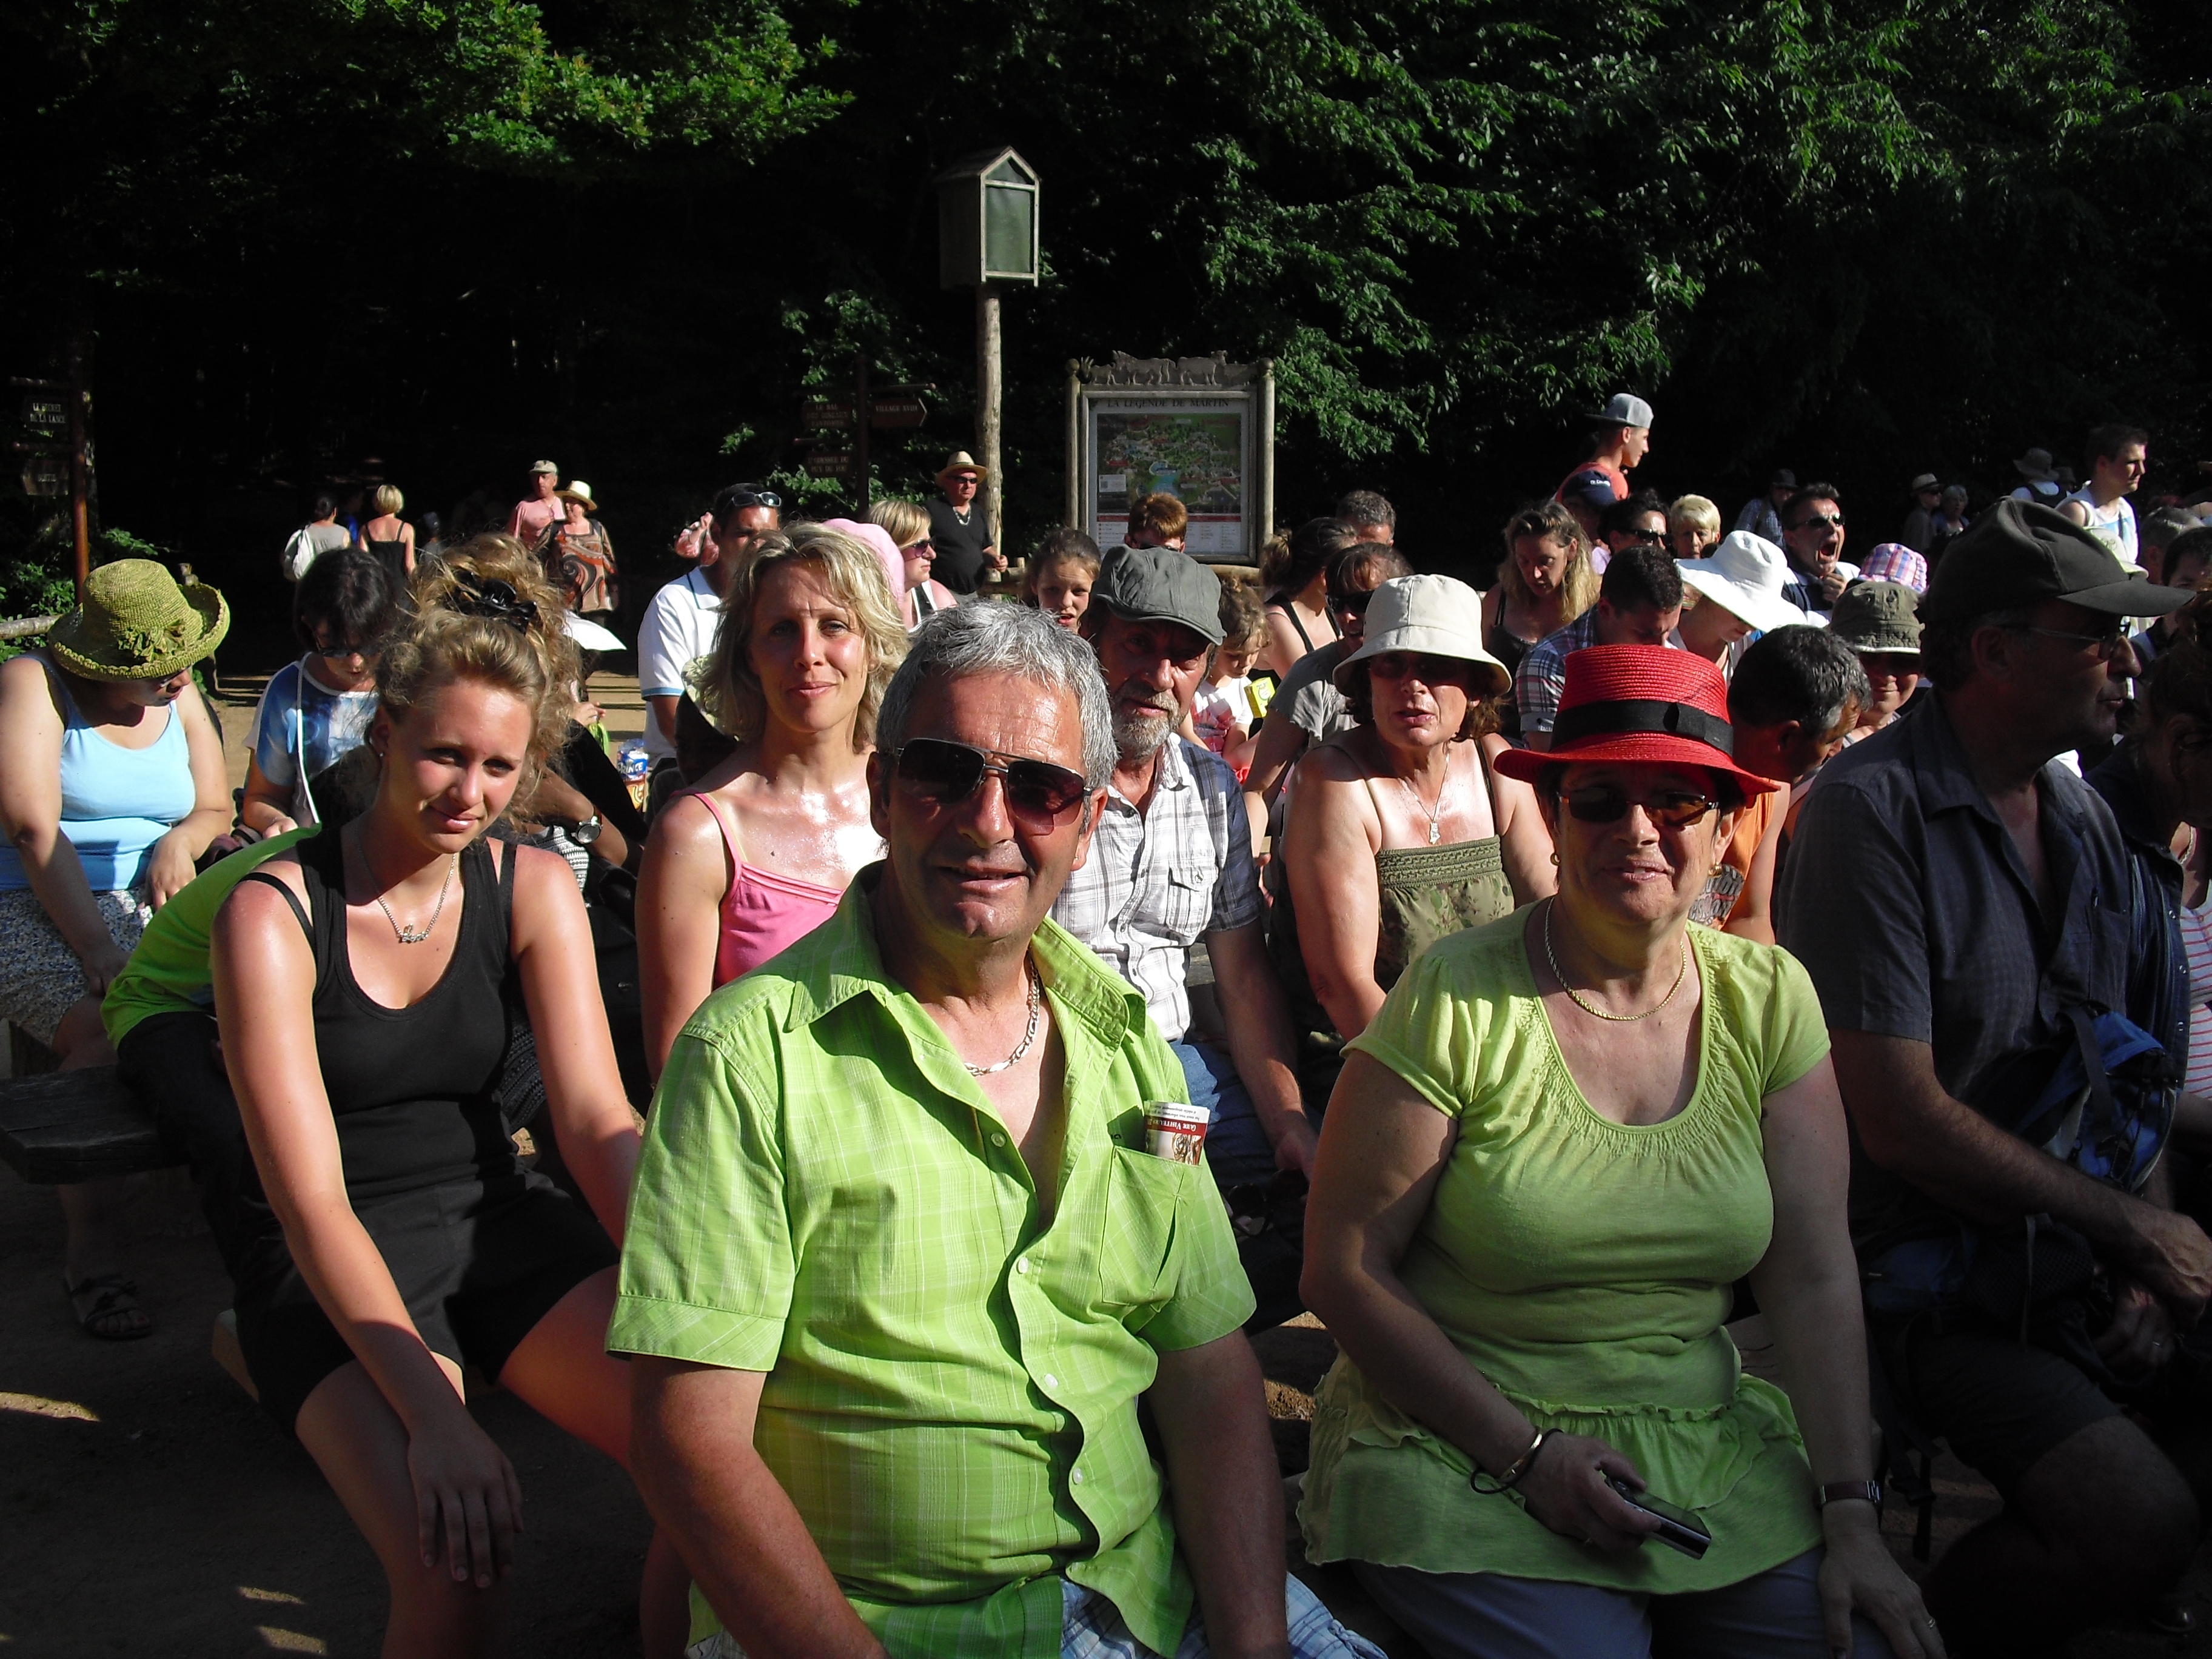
(315, 242)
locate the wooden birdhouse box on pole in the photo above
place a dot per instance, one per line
(987, 238)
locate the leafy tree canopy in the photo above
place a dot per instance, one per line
(1862, 238)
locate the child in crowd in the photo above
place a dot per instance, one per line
(318, 707)
(1158, 519)
(1060, 574)
(1222, 714)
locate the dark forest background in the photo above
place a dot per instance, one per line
(349, 239)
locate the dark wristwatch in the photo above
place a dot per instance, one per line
(1837, 1490)
(585, 831)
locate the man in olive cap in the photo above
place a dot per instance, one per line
(1172, 863)
(1968, 911)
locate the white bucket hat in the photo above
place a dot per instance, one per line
(1433, 616)
(1745, 575)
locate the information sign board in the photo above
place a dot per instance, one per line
(1200, 429)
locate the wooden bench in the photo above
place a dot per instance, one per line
(60, 1128)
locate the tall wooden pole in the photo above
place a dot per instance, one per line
(79, 520)
(987, 400)
(860, 416)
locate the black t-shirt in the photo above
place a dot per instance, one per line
(959, 546)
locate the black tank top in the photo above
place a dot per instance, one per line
(414, 1091)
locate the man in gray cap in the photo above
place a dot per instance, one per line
(1621, 437)
(536, 514)
(1927, 493)
(1762, 515)
(1970, 917)
(1172, 863)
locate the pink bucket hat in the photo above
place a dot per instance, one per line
(878, 540)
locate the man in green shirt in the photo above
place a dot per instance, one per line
(899, 1264)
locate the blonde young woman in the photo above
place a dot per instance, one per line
(391, 1234)
(1546, 582)
(907, 524)
(757, 855)
(389, 536)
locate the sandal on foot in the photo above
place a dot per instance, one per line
(114, 1303)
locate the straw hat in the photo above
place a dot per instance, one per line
(137, 623)
(577, 490)
(1643, 704)
(961, 461)
(1432, 616)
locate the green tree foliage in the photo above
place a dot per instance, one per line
(1861, 237)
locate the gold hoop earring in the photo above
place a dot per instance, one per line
(1555, 858)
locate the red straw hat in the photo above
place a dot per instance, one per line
(1643, 703)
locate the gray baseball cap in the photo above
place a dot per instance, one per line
(1623, 409)
(1160, 584)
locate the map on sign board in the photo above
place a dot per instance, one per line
(1196, 456)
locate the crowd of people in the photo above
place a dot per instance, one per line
(1040, 994)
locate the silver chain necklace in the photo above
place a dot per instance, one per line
(416, 935)
(1432, 813)
(1550, 956)
(1036, 1017)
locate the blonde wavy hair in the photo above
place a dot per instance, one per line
(462, 627)
(729, 692)
(907, 521)
(1548, 521)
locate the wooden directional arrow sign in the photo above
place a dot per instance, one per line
(829, 462)
(887, 412)
(44, 414)
(822, 417)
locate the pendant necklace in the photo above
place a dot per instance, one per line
(1036, 1017)
(1432, 813)
(1552, 957)
(412, 935)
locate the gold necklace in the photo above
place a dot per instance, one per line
(1681, 972)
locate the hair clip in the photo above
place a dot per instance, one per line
(474, 597)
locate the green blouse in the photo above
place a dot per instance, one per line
(1583, 1266)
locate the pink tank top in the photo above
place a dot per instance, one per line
(762, 912)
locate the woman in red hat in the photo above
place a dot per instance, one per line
(1552, 1153)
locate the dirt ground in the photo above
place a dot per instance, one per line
(149, 1507)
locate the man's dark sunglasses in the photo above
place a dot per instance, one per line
(1353, 604)
(1671, 808)
(1649, 537)
(1038, 794)
(1822, 519)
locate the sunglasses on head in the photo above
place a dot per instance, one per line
(738, 499)
(1670, 809)
(1039, 794)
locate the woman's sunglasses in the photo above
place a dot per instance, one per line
(1353, 604)
(1670, 809)
(1039, 794)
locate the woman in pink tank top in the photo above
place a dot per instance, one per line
(759, 851)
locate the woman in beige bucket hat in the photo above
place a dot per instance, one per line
(112, 784)
(1402, 830)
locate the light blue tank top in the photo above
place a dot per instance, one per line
(116, 802)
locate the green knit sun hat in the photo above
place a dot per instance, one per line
(137, 623)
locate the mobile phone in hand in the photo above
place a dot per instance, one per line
(1678, 1528)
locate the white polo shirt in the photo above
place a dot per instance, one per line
(678, 628)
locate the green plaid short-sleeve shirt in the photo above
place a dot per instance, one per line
(826, 1196)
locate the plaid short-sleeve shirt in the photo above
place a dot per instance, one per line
(1158, 880)
(825, 1195)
